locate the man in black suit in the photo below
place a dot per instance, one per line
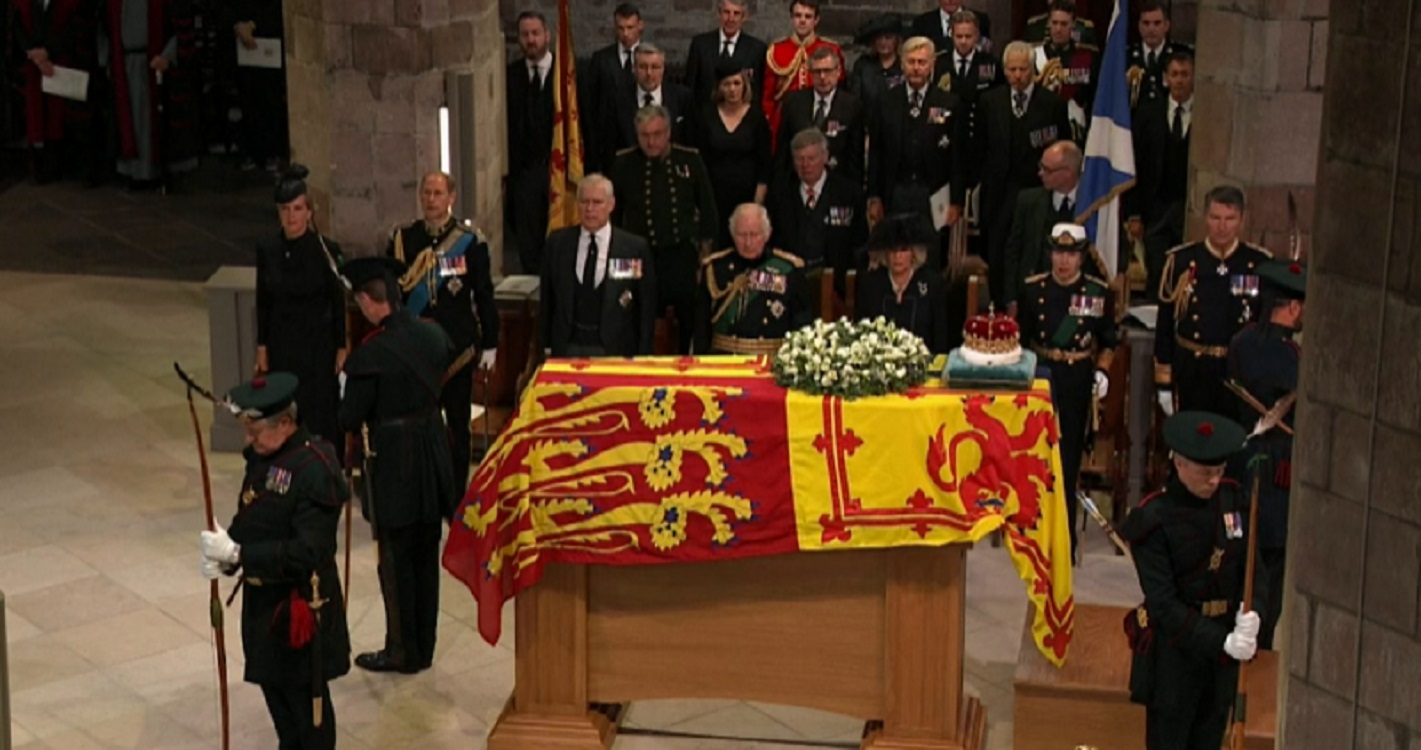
(730, 41)
(610, 83)
(937, 25)
(827, 106)
(598, 284)
(530, 140)
(818, 214)
(1156, 205)
(971, 72)
(1146, 59)
(917, 144)
(1018, 122)
(653, 90)
(1039, 209)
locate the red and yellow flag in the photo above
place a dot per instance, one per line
(566, 169)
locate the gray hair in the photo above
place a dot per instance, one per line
(1070, 152)
(651, 112)
(595, 180)
(808, 137)
(647, 48)
(826, 53)
(1019, 47)
(916, 43)
(751, 208)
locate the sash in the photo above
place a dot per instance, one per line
(421, 280)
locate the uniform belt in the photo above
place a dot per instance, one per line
(1061, 355)
(737, 345)
(408, 419)
(1201, 350)
(1214, 607)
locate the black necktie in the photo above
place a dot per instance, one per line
(962, 68)
(533, 76)
(725, 49)
(1177, 127)
(1019, 103)
(1150, 59)
(627, 61)
(647, 99)
(821, 115)
(1065, 209)
(589, 266)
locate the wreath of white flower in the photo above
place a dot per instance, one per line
(852, 359)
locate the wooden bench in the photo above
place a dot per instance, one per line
(1087, 702)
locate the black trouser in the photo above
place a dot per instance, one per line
(455, 399)
(292, 712)
(676, 289)
(1192, 697)
(1164, 230)
(1071, 386)
(409, 582)
(1275, 562)
(264, 119)
(1199, 382)
(527, 215)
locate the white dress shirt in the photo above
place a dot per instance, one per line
(1187, 108)
(818, 190)
(734, 40)
(604, 245)
(542, 66)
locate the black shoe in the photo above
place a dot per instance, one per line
(380, 661)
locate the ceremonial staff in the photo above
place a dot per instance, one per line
(1104, 524)
(1236, 734)
(215, 596)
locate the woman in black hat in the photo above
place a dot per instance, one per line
(734, 139)
(898, 287)
(878, 69)
(301, 306)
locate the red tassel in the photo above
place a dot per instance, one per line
(1283, 475)
(303, 622)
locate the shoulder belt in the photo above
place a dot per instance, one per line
(688, 149)
(1259, 248)
(1177, 248)
(1037, 277)
(1097, 280)
(793, 259)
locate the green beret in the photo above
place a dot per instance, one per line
(1288, 279)
(362, 270)
(1203, 437)
(262, 396)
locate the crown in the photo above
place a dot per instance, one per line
(992, 333)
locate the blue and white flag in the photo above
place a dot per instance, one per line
(1109, 153)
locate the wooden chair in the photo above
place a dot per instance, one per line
(830, 306)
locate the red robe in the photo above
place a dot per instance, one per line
(175, 125)
(65, 31)
(787, 71)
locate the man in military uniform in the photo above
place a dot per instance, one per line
(1147, 58)
(665, 196)
(391, 385)
(969, 71)
(1207, 293)
(1068, 67)
(1263, 360)
(283, 543)
(750, 297)
(449, 281)
(1190, 545)
(787, 60)
(1068, 319)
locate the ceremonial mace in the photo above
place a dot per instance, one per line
(1240, 718)
(215, 596)
(1104, 525)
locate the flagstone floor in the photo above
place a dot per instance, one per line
(100, 505)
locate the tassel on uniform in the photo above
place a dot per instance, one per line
(302, 622)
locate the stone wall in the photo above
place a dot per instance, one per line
(1354, 642)
(365, 81)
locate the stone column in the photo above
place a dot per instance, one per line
(1258, 109)
(365, 81)
(1354, 646)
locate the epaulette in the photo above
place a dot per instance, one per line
(627, 150)
(1259, 248)
(1177, 248)
(1037, 277)
(1087, 46)
(716, 256)
(1097, 280)
(396, 229)
(679, 147)
(794, 260)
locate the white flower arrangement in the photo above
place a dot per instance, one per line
(852, 359)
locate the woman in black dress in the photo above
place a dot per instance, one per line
(301, 307)
(735, 144)
(878, 69)
(898, 287)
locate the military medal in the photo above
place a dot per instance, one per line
(624, 268)
(249, 496)
(839, 216)
(777, 308)
(1087, 306)
(1233, 526)
(454, 285)
(453, 266)
(626, 299)
(278, 480)
(1244, 285)
(1216, 560)
(937, 115)
(831, 128)
(767, 281)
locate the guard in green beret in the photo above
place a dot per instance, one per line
(1068, 318)
(282, 542)
(390, 391)
(1263, 364)
(750, 297)
(1190, 544)
(664, 194)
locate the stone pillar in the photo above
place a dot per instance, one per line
(1354, 640)
(1258, 109)
(365, 81)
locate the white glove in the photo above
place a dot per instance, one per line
(1247, 623)
(211, 569)
(1166, 402)
(216, 545)
(1241, 647)
(341, 378)
(487, 358)
(1102, 384)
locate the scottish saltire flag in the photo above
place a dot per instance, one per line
(1109, 153)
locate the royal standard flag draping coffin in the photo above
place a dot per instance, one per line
(665, 460)
(1109, 151)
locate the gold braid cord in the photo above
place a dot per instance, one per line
(787, 72)
(1053, 74)
(725, 295)
(420, 270)
(1135, 76)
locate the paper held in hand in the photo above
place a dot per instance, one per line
(938, 203)
(68, 83)
(267, 54)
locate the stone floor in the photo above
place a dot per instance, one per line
(107, 618)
